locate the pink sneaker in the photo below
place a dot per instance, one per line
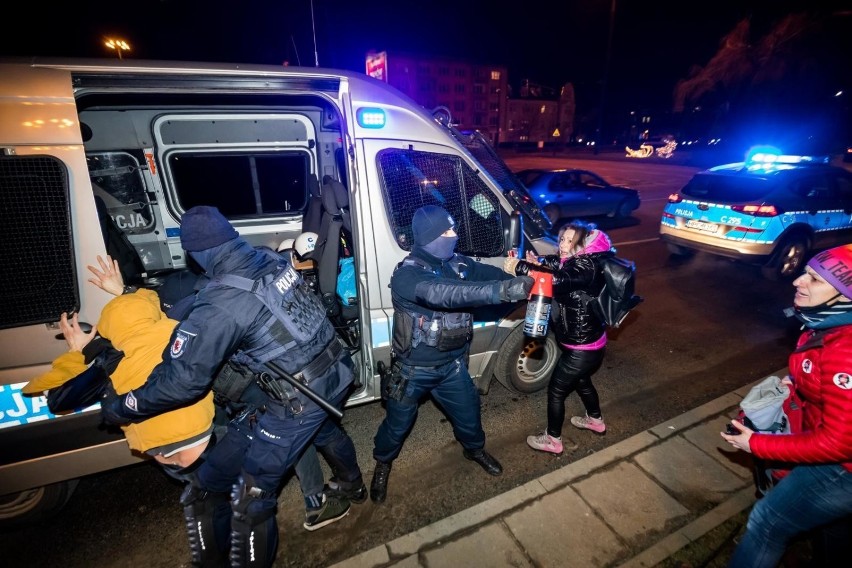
(596, 425)
(546, 443)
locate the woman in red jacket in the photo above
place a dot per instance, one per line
(818, 489)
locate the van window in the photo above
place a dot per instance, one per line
(117, 179)
(36, 246)
(412, 179)
(241, 184)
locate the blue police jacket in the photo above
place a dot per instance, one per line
(222, 321)
(454, 285)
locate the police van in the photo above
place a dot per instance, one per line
(105, 156)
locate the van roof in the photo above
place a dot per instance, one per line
(361, 86)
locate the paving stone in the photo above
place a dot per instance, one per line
(689, 473)
(491, 545)
(629, 501)
(562, 530)
(706, 437)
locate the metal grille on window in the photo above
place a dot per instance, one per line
(36, 249)
(412, 179)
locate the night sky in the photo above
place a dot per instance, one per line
(655, 42)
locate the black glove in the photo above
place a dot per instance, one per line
(523, 268)
(516, 289)
(112, 407)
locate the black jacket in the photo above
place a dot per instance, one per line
(452, 286)
(574, 321)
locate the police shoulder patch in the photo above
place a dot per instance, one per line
(181, 343)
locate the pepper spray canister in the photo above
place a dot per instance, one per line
(538, 307)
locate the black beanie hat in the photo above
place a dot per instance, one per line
(203, 227)
(429, 223)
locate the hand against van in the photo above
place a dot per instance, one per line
(74, 335)
(108, 278)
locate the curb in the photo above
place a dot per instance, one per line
(440, 533)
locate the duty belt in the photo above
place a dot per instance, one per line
(321, 363)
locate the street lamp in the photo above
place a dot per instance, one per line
(118, 45)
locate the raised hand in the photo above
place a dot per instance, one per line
(108, 277)
(74, 335)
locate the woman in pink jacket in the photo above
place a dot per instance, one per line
(818, 490)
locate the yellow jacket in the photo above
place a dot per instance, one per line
(135, 325)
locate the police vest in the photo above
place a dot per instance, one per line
(295, 330)
(444, 331)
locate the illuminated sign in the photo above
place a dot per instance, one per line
(377, 66)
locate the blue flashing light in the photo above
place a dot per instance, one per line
(770, 159)
(371, 117)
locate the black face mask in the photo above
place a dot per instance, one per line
(442, 247)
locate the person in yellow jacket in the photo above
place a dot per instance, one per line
(135, 325)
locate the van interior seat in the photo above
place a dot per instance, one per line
(334, 241)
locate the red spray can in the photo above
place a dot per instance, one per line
(538, 307)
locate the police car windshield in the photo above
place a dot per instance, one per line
(714, 187)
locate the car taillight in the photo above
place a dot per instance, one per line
(758, 210)
(675, 198)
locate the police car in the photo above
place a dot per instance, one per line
(773, 210)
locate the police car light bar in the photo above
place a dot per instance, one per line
(770, 159)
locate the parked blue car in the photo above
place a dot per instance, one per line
(567, 194)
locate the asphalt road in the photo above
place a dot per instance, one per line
(707, 326)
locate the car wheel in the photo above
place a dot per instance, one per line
(788, 260)
(33, 505)
(552, 212)
(525, 364)
(624, 210)
(678, 250)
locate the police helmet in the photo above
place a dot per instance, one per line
(305, 244)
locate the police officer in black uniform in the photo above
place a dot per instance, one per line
(432, 291)
(259, 449)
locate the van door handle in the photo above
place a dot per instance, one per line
(87, 327)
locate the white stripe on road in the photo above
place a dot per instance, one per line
(636, 242)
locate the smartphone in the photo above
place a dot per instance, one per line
(731, 430)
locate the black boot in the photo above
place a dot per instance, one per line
(379, 486)
(486, 460)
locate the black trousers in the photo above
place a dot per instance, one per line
(573, 371)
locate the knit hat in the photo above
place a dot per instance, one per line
(429, 223)
(835, 266)
(203, 227)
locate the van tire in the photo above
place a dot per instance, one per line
(524, 365)
(34, 505)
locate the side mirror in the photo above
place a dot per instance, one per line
(512, 234)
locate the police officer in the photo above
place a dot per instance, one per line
(231, 323)
(432, 290)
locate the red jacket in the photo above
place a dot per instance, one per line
(821, 368)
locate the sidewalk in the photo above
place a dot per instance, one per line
(633, 504)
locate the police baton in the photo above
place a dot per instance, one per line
(304, 389)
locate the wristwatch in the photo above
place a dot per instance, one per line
(129, 289)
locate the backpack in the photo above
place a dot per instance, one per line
(616, 298)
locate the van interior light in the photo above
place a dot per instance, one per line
(370, 117)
